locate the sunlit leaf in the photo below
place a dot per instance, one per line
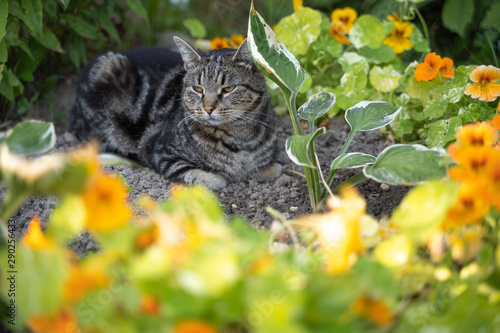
(351, 160)
(367, 31)
(31, 137)
(67, 220)
(195, 27)
(316, 106)
(406, 164)
(384, 79)
(443, 131)
(435, 108)
(367, 116)
(299, 30)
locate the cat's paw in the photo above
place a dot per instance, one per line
(200, 177)
(269, 173)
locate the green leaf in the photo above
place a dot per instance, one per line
(406, 164)
(421, 89)
(457, 15)
(4, 12)
(351, 161)
(124, 181)
(76, 50)
(418, 214)
(435, 108)
(420, 44)
(349, 60)
(105, 22)
(469, 113)
(31, 137)
(65, 3)
(491, 18)
(272, 55)
(297, 147)
(384, 79)
(49, 40)
(367, 116)
(401, 127)
(367, 31)
(7, 90)
(80, 26)
(316, 106)
(382, 55)
(67, 220)
(443, 131)
(34, 13)
(3, 52)
(138, 7)
(299, 30)
(195, 27)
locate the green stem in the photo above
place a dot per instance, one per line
(422, 21)
(342, 152)
(353, 181)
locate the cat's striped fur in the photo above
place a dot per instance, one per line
(198, 117)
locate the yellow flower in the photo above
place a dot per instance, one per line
(34, 237)
(469, 208)
(394, 18)
(61, 322)
(479, 134)
(346, 15)
(373, 309)
(84, 278)
(484, 87)
(338, 31)
(237, 39)
(194, 326)
(297, 4)
(105, 200)
(465, 244)
(219, 43)
(399, 39)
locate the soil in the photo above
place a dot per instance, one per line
(288, 194)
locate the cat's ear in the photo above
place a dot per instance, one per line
(243, 52)
(188, 53)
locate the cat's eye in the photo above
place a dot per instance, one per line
(198, 89)
(228, 89)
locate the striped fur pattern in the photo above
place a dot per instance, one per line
(198, 117)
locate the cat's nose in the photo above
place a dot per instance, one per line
(209, 109)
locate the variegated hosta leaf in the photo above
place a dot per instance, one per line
(406, 164)
(316, 106)
(351, 160)
(31, 137)
(297, 147)
(367, 116)
(272, 55)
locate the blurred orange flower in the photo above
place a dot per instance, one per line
(34, 237)
(194, 326)
(399, 39)
(484, 87)
(147, 238)
(339, 31)
(346, 15)
(150, 305)
(375, 310)
(219, 43)
(446, 69)
(84, 278)
(62, 322)
(472, 162)
(237, 39)
(105, 200)
(428, 69)
(479, 134)
(468, 209)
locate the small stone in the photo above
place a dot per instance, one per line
(234, 206)
(294, 209)
(384, 187)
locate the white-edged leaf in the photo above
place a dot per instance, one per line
(406, 164)
(272, 55)
(352, 160)
(297, 147)
(316, 106)
(31, 137)
(367, 116)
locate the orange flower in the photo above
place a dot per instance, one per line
(394, 18)
(484, 87)
(428, 69)
(399, 39)
(469, 208)
(472, 162)
(375, 310)
(220, 43)
(194, 326)
(34, 237)
(237, 39)
(84, 278)
(297, 4)
(346, 15)
(338, 31)
(446, 69)
(105, 200)
(150, 305)
(495, 122)
(492, 174)
(146, 238)
(479, 134)
(62, 322)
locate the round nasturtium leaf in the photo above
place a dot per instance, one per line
(367, 31)
(299, 30)
(384, 79)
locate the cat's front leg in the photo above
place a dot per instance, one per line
(269, 173)
(208, 179)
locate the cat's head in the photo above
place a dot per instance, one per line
(222, 86)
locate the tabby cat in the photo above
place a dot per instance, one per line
(198, 117)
